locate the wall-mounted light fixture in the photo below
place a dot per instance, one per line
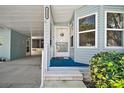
(47, 12)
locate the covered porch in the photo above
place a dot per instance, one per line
(59, 41)
(59, 64)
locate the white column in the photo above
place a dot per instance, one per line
(46, 50)
(46, 36)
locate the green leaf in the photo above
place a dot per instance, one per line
(110, 64)
(123, 58)
(99, 76)
(107, 69)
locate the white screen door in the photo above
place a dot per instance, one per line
(62, 42)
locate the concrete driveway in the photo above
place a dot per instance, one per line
(21, 73)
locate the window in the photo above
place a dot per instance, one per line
(87, 39)
(27, 46)
(42, 43)
(62, 46)
(72, 41)
(87, 31)
(114, 28)
(87, 23)
(37, 43)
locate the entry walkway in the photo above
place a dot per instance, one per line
(64, 79)
(21, 73)
(64, 84)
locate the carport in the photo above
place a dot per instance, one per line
(19, 25)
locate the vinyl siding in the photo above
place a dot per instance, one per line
(5, 34)
(18, 45)
(83, 55)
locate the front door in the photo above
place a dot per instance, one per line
(62, 42)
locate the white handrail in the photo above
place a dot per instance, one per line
(44, 65)
(42, 70)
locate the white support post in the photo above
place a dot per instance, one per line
(46, 35)
(45, 53)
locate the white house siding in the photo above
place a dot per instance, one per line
(83, 55)
(72, 53)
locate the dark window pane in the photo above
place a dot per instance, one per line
(42, 43)
(114, 38)
(62, 46)
(115, 20)
(35, 43)
(87, 39)
(28, 49)
(71, 41)
(87, 23)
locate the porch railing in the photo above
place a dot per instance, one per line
(44, 62)
(42, 69)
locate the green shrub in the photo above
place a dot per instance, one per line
(107, 70)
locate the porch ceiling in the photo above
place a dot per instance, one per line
(23, 18)
(63, 13)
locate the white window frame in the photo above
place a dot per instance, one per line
(78, 32)
(115, 47)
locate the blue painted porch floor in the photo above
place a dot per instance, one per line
(65, 62)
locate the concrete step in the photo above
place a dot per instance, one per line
(81, 69)
(63, 75)
(64, 84)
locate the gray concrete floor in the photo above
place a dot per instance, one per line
(21, 73)
(64, 84)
